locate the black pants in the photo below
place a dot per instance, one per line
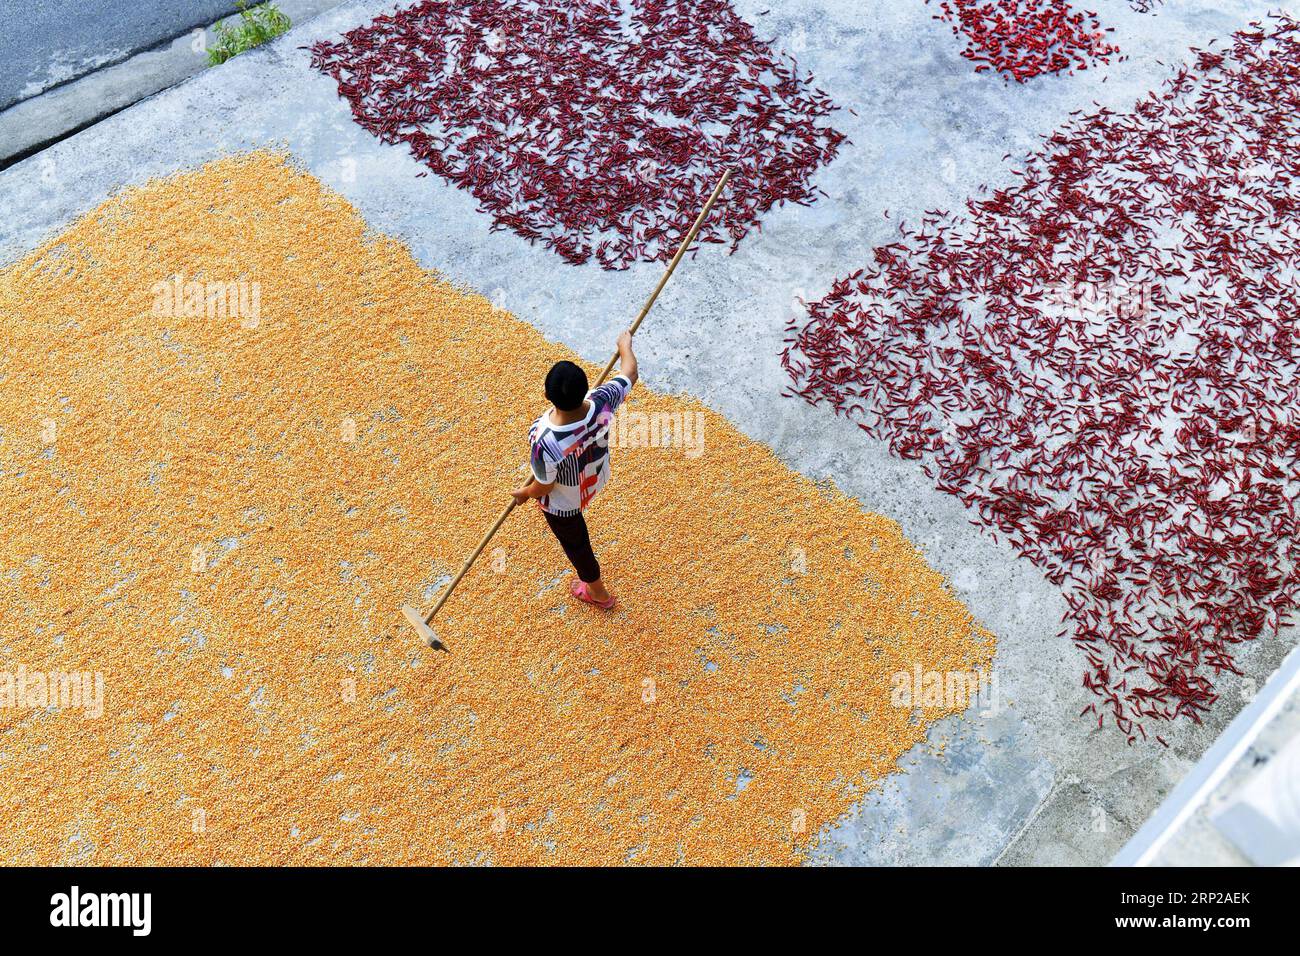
(572, 532)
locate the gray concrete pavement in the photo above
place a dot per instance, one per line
(47, 42)
(67, 107)
(1240, 805)
(1029, 783)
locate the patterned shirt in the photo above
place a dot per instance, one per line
(576, 456)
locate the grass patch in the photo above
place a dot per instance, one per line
(254, 27)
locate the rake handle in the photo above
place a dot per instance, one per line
(645, 310)
(663, 281)
(496, 526)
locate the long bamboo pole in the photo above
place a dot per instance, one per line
(414, 616)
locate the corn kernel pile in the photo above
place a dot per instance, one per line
(222, 516)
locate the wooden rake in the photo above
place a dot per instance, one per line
(423, 622)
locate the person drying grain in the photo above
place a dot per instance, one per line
(570, 461)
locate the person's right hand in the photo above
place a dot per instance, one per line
(625, 341)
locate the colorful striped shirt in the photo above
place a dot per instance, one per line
(576, 456)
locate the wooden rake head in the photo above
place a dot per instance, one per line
(423, 628)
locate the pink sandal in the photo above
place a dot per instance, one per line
(579, 590)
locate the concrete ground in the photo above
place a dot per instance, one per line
(1025, 783)
(48, 42)
(1202, 839)
(76, 73)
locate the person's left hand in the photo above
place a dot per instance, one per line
(520, 495)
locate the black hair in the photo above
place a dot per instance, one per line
(566, 386)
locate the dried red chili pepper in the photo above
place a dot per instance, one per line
(1022, 39)
(569, 120)
(1142, 445)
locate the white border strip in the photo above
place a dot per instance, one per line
(1223, 754)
